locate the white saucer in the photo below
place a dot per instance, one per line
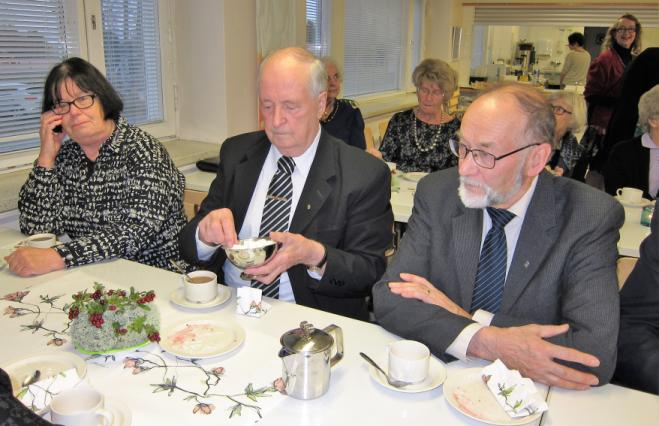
(201, 338)
(436, 376)
(121, 413)
(178, 298)
(465, 391)
(644, 202)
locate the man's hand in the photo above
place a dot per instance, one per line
(295, 250)
(28, 261)
(218, 228)
(416, 287)
(525, 349)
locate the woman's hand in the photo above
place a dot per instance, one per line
(51, 142)
(28, 261)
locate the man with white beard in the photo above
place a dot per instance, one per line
(502, 260)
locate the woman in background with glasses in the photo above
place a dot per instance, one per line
(110, 186)
(569, 112)
(418, 139)
(604, 82)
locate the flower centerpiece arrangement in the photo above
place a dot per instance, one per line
(105, 321)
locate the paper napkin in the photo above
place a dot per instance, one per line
(248, 302)
(517, 395)
(39, 395)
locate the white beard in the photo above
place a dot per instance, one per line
(489, 197)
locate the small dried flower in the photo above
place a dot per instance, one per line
(16, 296)
(203, 408)
(14, 312)
(56, 341)
(218, 371)
(280, 385)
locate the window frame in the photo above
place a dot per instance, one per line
(91, 49)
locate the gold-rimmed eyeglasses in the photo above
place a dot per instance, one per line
(482, 158)
(81, 102)
(559, 110)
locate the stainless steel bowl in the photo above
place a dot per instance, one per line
(251, 257)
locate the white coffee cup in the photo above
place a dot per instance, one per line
(630, 195)
(200, 286)
(80, 407)
(408, 361)
(41, 240)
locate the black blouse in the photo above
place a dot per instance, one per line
(345, 122)
(427, 151)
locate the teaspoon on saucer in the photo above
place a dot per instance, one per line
(393, 382)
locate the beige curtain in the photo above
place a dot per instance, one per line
(275, 25)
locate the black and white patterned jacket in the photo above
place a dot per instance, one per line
(130, 206)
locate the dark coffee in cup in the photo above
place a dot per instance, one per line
(199, 280)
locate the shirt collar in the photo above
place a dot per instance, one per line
(522, 205)
(647, 141)
(302, 162)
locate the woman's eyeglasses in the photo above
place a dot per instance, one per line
(559, 110)
(626, 30)
(82, 102)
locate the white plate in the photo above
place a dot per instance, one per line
(436, 376)
(50, 365)
(202, 338)
(121, 413)
(414, 176)
(644, 202)
(466, 392)
(178, 298)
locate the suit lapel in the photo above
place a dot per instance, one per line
(468, 227)
(245, 178)
(534, 242)
(317, 188)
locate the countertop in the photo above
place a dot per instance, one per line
(183, 152)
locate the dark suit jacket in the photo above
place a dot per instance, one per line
(563, 269)
(344, 205)
(638, 344)
(628, 165)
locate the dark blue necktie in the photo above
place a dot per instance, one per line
(277, 212)
(491, 275)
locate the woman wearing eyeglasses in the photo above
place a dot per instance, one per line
(569, 112)
(604, 82)
(110, 186)
(418, 139)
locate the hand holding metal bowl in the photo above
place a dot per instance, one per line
(251, 253)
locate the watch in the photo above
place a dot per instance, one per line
(318, 268)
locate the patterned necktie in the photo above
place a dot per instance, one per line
(491, 275)
(276, 212)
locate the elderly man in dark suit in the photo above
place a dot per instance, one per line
(327, 203)
(503, 260)
(638, 343)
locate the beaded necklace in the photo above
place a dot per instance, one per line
(435, 138)
(332, 113)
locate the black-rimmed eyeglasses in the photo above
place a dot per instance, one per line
(82, 102)
(623, 30)
(482, 158)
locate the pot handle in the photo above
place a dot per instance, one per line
(336, 332)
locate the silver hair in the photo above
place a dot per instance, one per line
(648, 107)
(540, 120)
(328, 60)
(439, 72)
(317, 72)
(578, 104)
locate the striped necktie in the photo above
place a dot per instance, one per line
(491, 275)
(277, 212)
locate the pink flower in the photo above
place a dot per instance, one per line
(203, 408)
(132, 362)
(14, 312)
(218, 371)
(56, 341)
(16, 296)
(280, 385)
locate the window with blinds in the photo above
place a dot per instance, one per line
(131, 45)
(318, 27)
(34, 36)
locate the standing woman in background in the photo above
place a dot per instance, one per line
(418, 139)
(604, 84)
(342, 119)
(110, 186)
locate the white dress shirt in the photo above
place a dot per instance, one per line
(252, 223)
(483, 318)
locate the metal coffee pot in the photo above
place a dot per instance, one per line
(306, 357)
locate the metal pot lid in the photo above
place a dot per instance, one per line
(306, 339)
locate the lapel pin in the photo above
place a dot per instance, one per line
(308, 206)
(526, 264)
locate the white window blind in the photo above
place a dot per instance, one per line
(318, 27)
(131, 45)
(375, 33)
(34, 36)
(598, 16)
